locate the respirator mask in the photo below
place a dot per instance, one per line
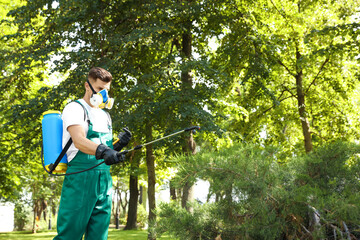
(101, 99)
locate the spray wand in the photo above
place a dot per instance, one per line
(192, 129)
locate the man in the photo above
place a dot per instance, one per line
(86, 197)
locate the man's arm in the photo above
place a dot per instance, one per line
(87, 146)
(80, 141)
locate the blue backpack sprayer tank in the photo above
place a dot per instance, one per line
(52, 131)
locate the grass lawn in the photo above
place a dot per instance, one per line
(113, 235)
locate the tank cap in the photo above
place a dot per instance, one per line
(51, 112)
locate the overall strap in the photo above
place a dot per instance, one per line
(86, 114)
(53, 166)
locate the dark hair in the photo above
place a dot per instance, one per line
(100, 73)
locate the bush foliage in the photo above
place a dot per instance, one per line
(254, 196)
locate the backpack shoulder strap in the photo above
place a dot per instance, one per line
(86, 114)
(52, 166)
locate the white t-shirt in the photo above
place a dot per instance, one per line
(73, 114)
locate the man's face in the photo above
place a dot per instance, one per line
(98, 85)
(97, 93)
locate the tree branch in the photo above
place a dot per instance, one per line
(283, 15)
(317, 75)
(317, 134)
(282, 64)
(288, 90)
(280, 100)
(274, 105)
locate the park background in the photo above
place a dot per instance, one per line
(274, 85)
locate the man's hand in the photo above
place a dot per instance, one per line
(121, 156)
(109, 155)
(124, 139)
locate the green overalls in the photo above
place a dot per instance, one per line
(85, 205)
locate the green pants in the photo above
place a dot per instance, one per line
(85, 206)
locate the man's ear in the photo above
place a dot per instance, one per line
(87, 87)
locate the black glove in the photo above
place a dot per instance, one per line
(124, 139)
(109, 155)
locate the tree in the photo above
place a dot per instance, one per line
(135, 171)
(292, 62)
(9, 174)
(120, 200)
(20, 133)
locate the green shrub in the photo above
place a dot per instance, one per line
(142, 216)
(311, 196)
(184, 225)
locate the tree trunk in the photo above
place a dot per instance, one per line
(35, 210)
(188, 195)
(117, 208)
(144, 197)
(172, 191)
(187, 82)
(150, 163)
(123, 203)
(131, 222)
(186, 51)
(302, 108)
(188, 189)
(178, 193)
(228, 200)
(44, 205)
(141, 195)
(117, 219)
(133, 201)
